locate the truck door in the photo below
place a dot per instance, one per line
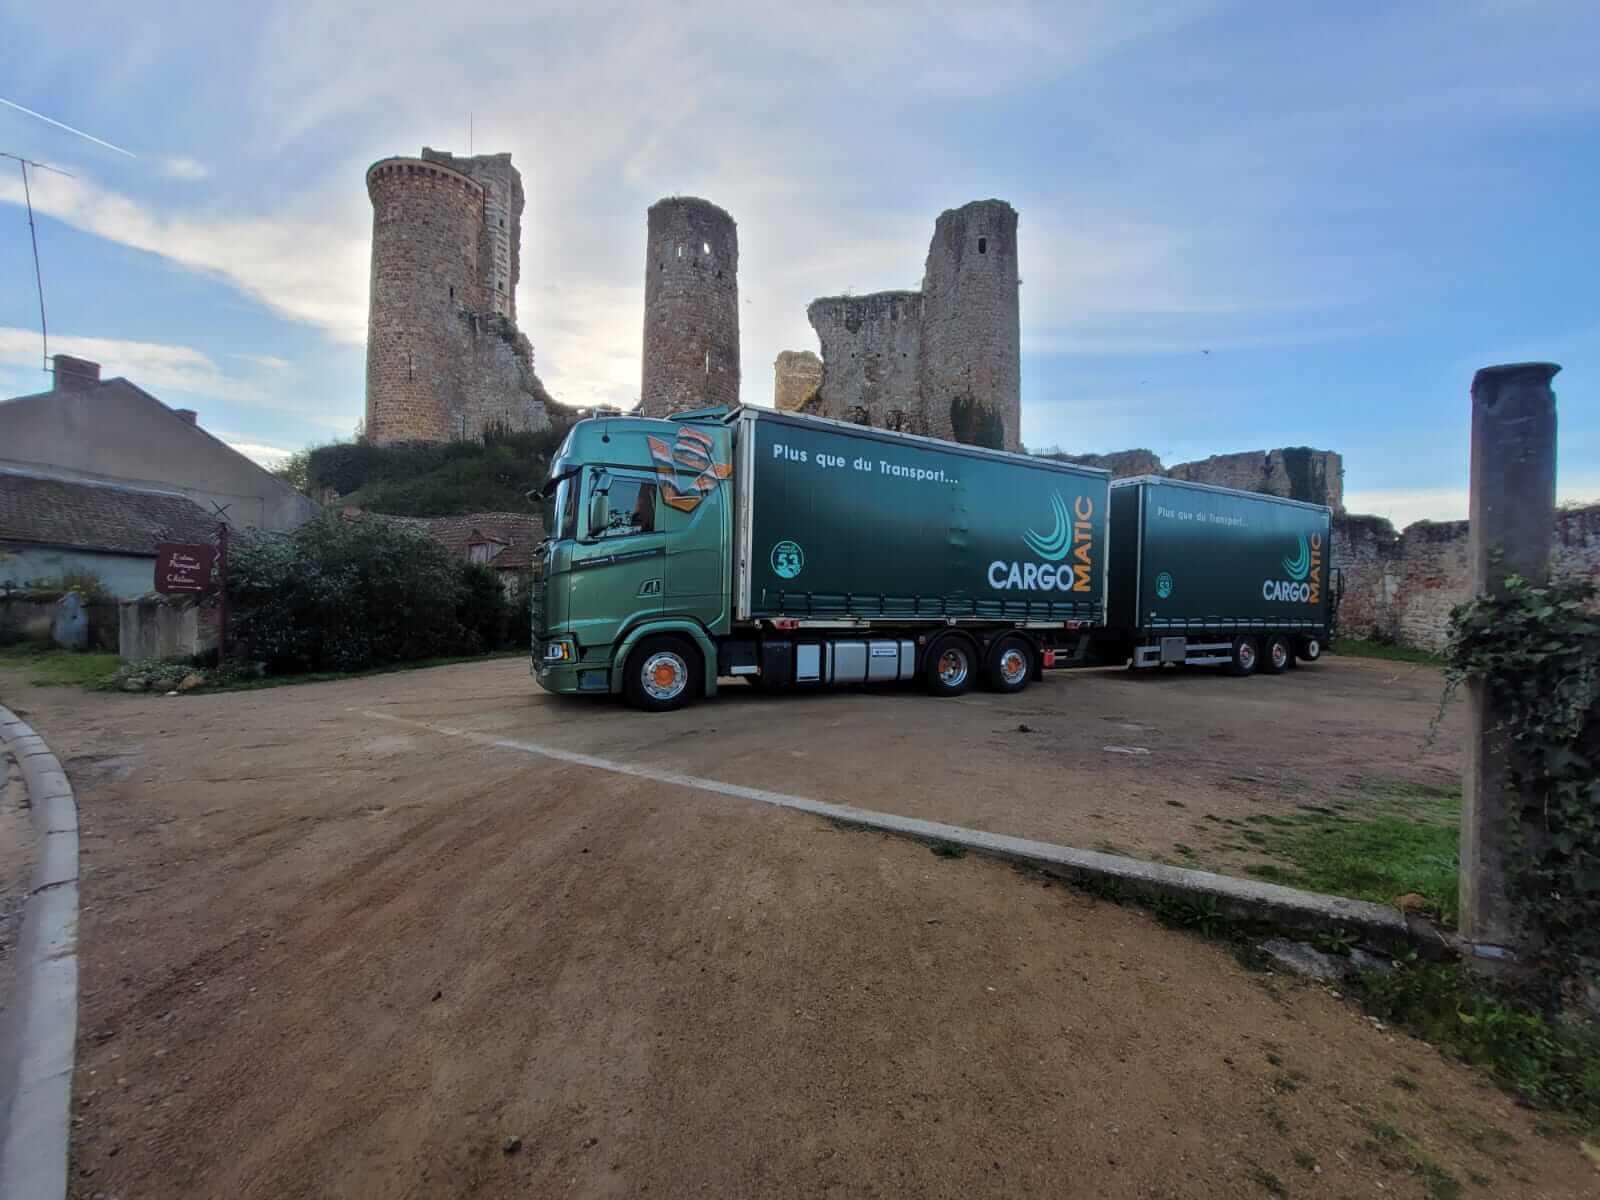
(618, 560)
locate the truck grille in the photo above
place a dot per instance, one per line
(541, 558)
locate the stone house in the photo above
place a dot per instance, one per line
(53, 528)
(114, 432)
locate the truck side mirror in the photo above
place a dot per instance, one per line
(600, 505)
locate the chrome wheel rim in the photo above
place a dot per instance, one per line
(952, 668)
(1247, 656)
(1013, 665)
(664, 675)
(1313, 648)
(1280, 655)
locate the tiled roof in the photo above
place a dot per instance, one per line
(516, 533)
(96, 516)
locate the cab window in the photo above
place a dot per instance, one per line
(632, 508)
(567, 498)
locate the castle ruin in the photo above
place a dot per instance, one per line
(445, 359)
(796, 379)
(945, 361)
(691, 308)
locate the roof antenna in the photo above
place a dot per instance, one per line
(33, 236)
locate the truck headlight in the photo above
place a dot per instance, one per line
(558, 652)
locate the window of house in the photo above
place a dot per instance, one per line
(632, 507)
(480, 552)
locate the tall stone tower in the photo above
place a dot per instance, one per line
(971, 333)
(691, 308)
(445, 359)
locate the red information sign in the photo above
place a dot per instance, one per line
(182, 567)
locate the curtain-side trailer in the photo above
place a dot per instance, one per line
(1209, 575)
(798, 551)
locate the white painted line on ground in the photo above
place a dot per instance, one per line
(1244, 898)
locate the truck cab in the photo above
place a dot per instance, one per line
(639, 521)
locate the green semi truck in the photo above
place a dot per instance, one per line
(1210, 575)
(800, 552)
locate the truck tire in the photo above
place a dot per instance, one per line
(1310, 649)
(949, 667)
(663, 673)
(1277, 656)
(1010, 664)
(1246, 656)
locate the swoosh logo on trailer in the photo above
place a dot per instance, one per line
(1054, 547)
(1298, 568)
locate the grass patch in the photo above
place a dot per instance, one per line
(51, 666)
(1552, 1065)
(1408, 840)
(1366, 648)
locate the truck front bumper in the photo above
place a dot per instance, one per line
(570, 678)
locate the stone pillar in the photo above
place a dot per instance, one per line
(1512, 509)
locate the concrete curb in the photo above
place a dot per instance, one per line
(36, 1044)
(1375, 925)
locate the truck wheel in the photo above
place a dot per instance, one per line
(1245, 656)
(1278, 657)
(1010, 664)
(1311, 649)
(663, 674)
(948, 670)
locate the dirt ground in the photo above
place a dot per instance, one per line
(326, 954)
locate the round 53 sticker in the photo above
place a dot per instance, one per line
(788, 560)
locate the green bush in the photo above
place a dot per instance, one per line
(347, 595)
(436, 479)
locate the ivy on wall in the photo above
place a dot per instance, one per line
(1537, 649)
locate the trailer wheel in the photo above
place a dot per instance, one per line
(1010, 664)
(1278, 657)
(949, 667)
(1246, 656)
(1310, 649)
(663, 673)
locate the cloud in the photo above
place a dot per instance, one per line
(158, 368)
(270, 362)
(270, 457)
(184, 168)
(301, 267)
(1402, 506)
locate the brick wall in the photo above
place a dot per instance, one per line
(691, 308)
(1402, 586)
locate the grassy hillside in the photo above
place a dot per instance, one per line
(429, 480)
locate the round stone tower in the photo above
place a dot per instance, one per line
(691, 308)
(427, 223)
(971, 340)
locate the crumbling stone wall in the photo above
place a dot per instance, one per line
(1123, 464)
(1401, 587)
(1298, 472)
(691, 308)
(872, 361)
(944, 361)
(796, 378)
(444, 357)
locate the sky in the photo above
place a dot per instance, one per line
(1242, 225)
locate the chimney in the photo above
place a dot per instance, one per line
(74, 374)
(185, 414)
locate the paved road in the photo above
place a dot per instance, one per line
(332, 954)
